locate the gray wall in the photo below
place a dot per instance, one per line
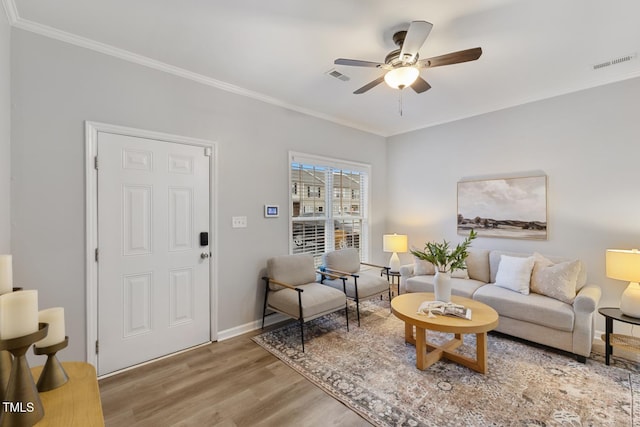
(5, 134)
(587, 145)
(56, 87)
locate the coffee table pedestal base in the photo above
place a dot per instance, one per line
(428, 353)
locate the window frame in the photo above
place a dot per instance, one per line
(334, 163)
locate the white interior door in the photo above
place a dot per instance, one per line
(153, 271)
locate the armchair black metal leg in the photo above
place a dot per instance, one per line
(346, 302)
(355, 283)
(346, 313)
(266, 295)
(301, 318)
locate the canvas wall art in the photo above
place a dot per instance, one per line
(506, 207)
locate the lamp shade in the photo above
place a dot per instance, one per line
(401, 77)
(625, 265)
(394, 243)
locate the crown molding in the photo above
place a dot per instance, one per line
(53, 33)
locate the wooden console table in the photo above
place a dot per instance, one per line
(77, 403)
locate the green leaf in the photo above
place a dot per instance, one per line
(443, 257)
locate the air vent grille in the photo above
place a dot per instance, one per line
(615, 61)
(338, 75)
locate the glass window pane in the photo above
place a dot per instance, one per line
(328, 209)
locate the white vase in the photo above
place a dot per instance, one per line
(442, 286)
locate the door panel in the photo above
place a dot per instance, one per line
(153, 284)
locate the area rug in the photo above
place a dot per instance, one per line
(372, 371)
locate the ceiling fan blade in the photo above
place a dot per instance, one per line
(358, 63)
(413, 41)
(451, 58)
(420, 85)
(369, 85)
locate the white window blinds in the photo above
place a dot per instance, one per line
(328, 205)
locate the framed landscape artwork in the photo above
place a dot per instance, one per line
(506, 207)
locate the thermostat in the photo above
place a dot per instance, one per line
(271, 211)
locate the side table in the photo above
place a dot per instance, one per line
(393, 275)
(77, 403)
(615, 340)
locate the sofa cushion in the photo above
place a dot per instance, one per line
(293, 270)
(460, 274)
(494, 261)
(421, 266)
(478, 264)
(316, 299)
(346, 260)
(461, 287)
(514, 273)
(368, 285)
(555, 280)
(532, 308)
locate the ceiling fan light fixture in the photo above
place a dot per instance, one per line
(401, 77)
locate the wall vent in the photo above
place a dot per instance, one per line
(338, 75)
(615, 61)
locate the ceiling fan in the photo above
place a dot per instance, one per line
(403, 65)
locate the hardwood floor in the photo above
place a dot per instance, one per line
(229, 383)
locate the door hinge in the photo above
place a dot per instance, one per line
(96, 346)
(207, 151)
(96, 254)
(95, 162)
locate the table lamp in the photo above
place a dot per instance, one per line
(624, 264)
(394, 243)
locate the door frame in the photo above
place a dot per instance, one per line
(91, 222)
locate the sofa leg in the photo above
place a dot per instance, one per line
(581, 359)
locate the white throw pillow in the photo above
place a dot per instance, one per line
(421, 267)
(555, 280)
(515, 273)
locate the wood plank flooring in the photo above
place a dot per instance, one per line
(229, 383)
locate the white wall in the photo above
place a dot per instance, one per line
(5, 133)
(56, 87)
(586, 143)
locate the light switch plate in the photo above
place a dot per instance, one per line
(239, 222)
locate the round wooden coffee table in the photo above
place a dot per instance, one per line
(483, 319)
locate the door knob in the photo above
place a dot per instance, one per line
(204, 255)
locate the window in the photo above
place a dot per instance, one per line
(332, 211)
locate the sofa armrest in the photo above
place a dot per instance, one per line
(587, 299)
(406, 270)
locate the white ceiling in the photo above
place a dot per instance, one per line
(280, 50)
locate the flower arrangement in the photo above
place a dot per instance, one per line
(443, 257)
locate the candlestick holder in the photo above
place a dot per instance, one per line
(5, 366)
(53, 374)
(22, 405)
(5, 371)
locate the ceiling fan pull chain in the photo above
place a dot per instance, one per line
(400, 102)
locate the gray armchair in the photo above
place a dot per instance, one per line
(292, 289)
(359, 286)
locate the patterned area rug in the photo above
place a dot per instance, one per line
(371, 370)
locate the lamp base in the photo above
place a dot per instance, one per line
(630, 300)
(394, 263)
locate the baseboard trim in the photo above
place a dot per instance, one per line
(251, 326)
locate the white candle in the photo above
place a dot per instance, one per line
(18, 314)
(55, 318)
(6, 274)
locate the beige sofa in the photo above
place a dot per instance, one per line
(563, 321)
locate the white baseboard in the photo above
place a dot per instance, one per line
(251, 326)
